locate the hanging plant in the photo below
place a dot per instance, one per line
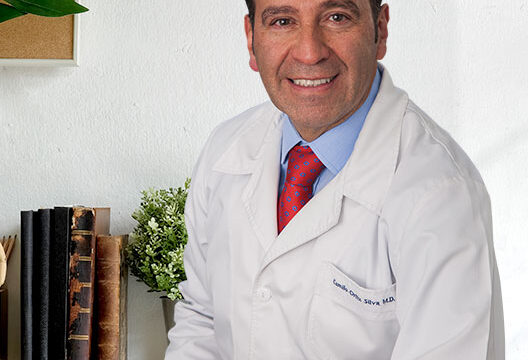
(48, 8)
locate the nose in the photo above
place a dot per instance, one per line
(310, 47)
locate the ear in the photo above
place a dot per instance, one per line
(383, 31)
(249, 37)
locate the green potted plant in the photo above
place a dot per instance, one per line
(48, 8)
(155, 252)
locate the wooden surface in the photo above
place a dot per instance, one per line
(3, 265)
(3, 323)
(37, 37)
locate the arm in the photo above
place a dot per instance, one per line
(447, 283)
(193, 335)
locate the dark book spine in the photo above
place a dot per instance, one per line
(26, 283)
(59, 273)
(81, 283)
(111, 280)
(41, 258)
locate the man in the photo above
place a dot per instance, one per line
(337, 221)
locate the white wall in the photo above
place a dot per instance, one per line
(156, 77)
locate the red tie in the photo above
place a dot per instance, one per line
(303, 168)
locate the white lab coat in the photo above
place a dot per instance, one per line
(393, 259)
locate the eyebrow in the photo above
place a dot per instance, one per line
(330, 4)
(343, 4)
(275, 10)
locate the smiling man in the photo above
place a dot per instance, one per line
(337, 221)
(317, 59)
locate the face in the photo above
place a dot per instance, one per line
(317, 59)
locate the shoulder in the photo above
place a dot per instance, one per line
(244, 121)
(232, 129)
(221, 141)
(429, 154)
(231, 137)
(430, 163)
(228, 131)
(437, 198)
(452, 154)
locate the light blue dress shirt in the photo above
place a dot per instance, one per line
(334, 147)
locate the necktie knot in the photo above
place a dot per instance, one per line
(303, 168)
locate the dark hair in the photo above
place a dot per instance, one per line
(375, 5)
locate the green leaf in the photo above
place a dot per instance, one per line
(50, 8)
(156, 256)
(8, 12)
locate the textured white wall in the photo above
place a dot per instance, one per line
(156, 77)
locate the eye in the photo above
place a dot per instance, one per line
(338, 17)
(281, 22)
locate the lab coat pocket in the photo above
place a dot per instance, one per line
(347, 321)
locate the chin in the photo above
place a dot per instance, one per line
(312, 116)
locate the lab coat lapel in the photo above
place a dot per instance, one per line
(318, 216)
(371, 167)
(260, 195)
(256, 153)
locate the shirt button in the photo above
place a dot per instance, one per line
(264, 294)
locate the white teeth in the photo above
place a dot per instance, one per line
(311, 83)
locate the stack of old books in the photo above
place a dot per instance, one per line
(73, 285)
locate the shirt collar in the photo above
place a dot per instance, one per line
(335, 146)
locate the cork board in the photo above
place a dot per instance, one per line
(38, 37)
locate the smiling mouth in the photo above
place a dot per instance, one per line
(312, 83)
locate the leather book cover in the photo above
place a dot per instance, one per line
(82, 245)
(26, 283)
(59, 273)
(41, 282)
(85, 221)
(102, 221)
(111, 304)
